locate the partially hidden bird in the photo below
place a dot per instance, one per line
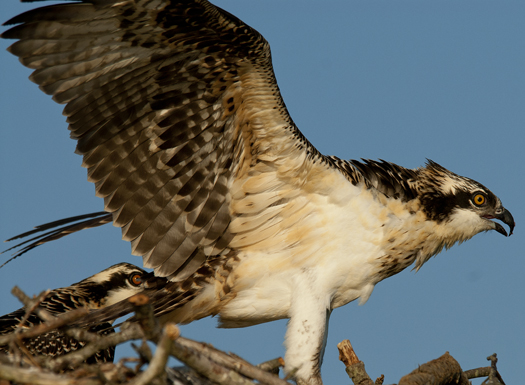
(105, 288)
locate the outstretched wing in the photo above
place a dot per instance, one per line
(180, 123)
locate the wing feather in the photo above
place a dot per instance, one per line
(180, 122)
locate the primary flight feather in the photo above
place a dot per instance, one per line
(181, 125)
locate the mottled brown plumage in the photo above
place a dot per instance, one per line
(96, 292)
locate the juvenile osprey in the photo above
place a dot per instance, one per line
(183, 130)
(98, 291)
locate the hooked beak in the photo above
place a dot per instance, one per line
(506, 217)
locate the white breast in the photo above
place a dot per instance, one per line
(337, 239)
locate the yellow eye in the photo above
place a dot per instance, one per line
(135, 279)
(479, 199)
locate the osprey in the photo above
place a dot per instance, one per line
(183, 130)
(103, 289)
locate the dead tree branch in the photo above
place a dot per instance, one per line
(206, 367)
(38, 377)
(157, 366)
(205, 364)
(31, 304)
(231, 362)
(54, 323)
(478, 372)
(354, 368)
(132, 332)
(272, 366)
(441, 371)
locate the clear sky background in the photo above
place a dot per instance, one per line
(396, 80)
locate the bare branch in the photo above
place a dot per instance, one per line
(441, 371)
(32, 303)
(206, 367)
(157, 366)
(234, 363)
(38, 377)
(354, 368)
(128, 332)
(205, 363)
(145, 317)
(494, 370)
(55, 323)
(144, 352)
(272, 366)
(478, 372)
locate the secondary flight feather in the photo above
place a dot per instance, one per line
(178, 117)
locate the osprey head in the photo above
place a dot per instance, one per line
(464, 205)
(113, 284)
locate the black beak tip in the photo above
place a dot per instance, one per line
(499, 228)
(506, 217)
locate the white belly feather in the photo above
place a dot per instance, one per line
(337, 238)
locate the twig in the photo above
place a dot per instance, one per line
(17, 348)
(234, 363)
(51, 322)
(206, 367)
(38, 377)
(272, 366)
(30, 309)
(184, 375)
(443, 370)
(354, 368)
(478, 372)
(157, 366)
(55, 323)
(494, 370)
(146, 325)
(83, 335)
(32, 303)
(130, 332)
(218, 366)
(144, 353)
(145, 317)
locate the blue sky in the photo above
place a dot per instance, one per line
(396, 80)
